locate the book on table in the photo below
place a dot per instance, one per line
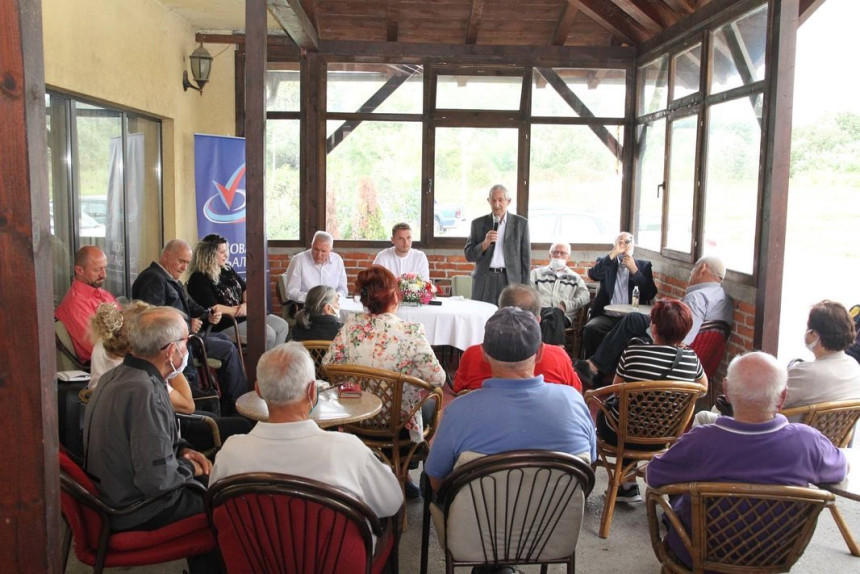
(349, 391)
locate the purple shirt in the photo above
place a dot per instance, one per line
(774, 452)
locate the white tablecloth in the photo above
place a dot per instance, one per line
(458, 323)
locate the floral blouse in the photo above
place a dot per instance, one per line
(387, 342)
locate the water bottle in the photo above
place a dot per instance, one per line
(635, 299)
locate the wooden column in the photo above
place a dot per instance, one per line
(29, 497)
(776, 160)
(255, 141)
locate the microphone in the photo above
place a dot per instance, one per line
(496, 221)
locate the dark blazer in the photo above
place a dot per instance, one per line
(323, 328)
(156, 287)
(518, 250)
(606, 270)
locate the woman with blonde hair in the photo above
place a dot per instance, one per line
(214, 282)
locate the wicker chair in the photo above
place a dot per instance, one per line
(652, 413)
(318, 350)
(573, 334)
(519, 507)
(386, 432)
(836, 420)
(269, 522)
(749, 528)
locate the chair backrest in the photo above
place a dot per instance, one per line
(389, 386)
(521, 506)
(836, 419)
(207, 380)
(268, 522)
(710, 345)
(318, 350)
(651, 412)
(736, 527)
(461, 286)
(79, 502)
(67, 359)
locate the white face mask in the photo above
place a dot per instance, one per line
(182, 364)
(811, 345)
(557, 264)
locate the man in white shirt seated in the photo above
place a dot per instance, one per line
(291, 443)
(319, 265)
(402, 258)
(562, 294)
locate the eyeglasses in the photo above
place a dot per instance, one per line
(559, 253)
(185, 338)
(626, 241)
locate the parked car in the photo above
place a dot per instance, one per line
(95, 206)
(446, 216)
(547, 225)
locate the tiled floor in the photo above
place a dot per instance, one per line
(627, 550)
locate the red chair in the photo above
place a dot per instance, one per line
(86, 515)
(710, 345)
(277, 523)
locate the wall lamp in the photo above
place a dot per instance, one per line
(201, 67)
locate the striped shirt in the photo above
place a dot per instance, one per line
(654, 362)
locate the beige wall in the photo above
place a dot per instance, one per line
(130, 54)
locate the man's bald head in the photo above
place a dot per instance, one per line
(755, 382)
(90, 266)
(175, 257)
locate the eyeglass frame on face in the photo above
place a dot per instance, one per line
(627, 241)
(185, 338)
(559, 254)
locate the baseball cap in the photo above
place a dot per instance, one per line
(511, 335)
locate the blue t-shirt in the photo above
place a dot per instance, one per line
(512, 414)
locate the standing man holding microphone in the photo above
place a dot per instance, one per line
(499, 246)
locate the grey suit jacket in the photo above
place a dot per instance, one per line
(518, 250)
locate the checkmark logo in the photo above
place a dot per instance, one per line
(228, 192)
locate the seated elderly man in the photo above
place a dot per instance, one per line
(552, 362)
(515, 409)
(132, 447)
(705, 297)
(401, 258)
(291, 443)
(83, 298)
(756, 446)
(562, 294)
(318, 265)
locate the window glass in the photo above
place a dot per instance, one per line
(571, 92)
(738, 52)
(373, 180)
(654, 86)
(143, 195)
(734, 139)
(479, 92)
(469, 161)
(59, 188)
(681, 186)
(381, 88)
(687, 66)
(282, 87)
(575, 183)
(282, 179)
(651, 146)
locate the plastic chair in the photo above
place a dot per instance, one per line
(87, 517)
(652, 413)
(386, 432)
(736, 527)
(512, 508)
(710, 345)
(318, 350)
(836, 420)
(461, 286)
(67, 359)
(277, 523)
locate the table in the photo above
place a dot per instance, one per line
(456, 322)
(330, 411)
(626, 309)
(849, 488)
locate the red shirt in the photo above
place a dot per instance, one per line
(554, 365)
(75, 311)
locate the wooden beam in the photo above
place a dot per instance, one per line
(613, 19)
(292, 18)
(371, 104)
(807, 9)
(474, 21)
(392, 17)
(255, 146)
(741, 58)
(565, 24)
(681, 6)
(657, 11)
(581, 109)
(30, 538)
(715, 10)
(642, 13)
(775, 161)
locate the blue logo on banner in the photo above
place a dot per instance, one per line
(231, 208)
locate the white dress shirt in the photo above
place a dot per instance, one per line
(303, 275)
(498, 259)
(413, 262)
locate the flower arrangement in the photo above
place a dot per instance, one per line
(414, 289)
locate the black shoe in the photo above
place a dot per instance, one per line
(413, 491)
(629, 493)
(584, 371)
